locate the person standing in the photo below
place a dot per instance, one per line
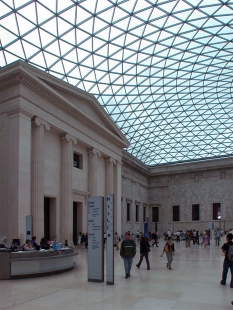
(206, 240)
(217, 236)
(227, 249)
(144, 250)
(79, 240)
(117, 240)
(178, 236)
(127, 253)
(187, 238)
(169, 249)
(197, 237)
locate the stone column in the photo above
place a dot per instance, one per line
(66, 202)
(93, 155)
(19, 173)
(117, 197)
(37, 199)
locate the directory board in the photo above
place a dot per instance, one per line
(95, 239)
(110, 239)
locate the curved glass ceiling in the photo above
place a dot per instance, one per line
(161, 69)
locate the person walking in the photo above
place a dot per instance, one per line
(217, 237)
(227, 249)
(169, 249)
(144, 251)
(155, 238)
(127, 253)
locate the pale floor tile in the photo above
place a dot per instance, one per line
(156, 304)
(192, 284)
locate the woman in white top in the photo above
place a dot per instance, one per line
(79, 240)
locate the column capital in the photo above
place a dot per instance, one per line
(94, 151)
(119, 163)
(68, 137)
(39, 122)
(110, 160)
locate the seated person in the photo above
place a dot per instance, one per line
(34, 243)
(44, 244)
(28, 246)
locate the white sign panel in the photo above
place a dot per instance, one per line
(95, 239)
(110, 239)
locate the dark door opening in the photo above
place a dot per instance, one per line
(47, 218)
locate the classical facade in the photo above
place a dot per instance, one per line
(184, 196)
(57, 147)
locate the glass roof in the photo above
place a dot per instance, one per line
(161, 69)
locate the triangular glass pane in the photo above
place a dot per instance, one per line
(29, 12)
(42, 13)
(30, 49)
(16, 48)
(62, 26)
(6, 37)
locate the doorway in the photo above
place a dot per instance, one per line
(49, 218)
(77, 220)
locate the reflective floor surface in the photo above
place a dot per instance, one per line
(193, 283)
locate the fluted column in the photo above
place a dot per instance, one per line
(66, 203)
(109, 162)
(37, 198)
(93, 155)
(117, 197)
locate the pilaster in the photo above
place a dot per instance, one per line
(37, 174)
(66, 203)
(93, 155)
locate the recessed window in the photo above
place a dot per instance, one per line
(137, 213)
(196, 212)
(155, 214)
(176, 213)
(144, 214)
(216, 211)
(128, 211)
(78, 161)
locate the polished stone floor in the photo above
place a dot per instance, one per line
(193, 284)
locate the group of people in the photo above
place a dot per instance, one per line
(31, 245)
(82, 240)
(128, 251)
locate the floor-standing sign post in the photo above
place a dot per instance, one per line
(110, 239)
(95, 239)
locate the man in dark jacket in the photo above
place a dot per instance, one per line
(227, 262)
(128, 251)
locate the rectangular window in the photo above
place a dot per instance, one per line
(77, 161)
(155, 214)
(137, 213)
(216, 211)
(176, 213)
(144, 214)
(128, 211)
(195, 212)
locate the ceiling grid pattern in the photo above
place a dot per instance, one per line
(162, 69)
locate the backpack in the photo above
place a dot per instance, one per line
(119, 238)
(230, 253)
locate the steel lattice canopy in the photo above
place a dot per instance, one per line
(161, 69)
